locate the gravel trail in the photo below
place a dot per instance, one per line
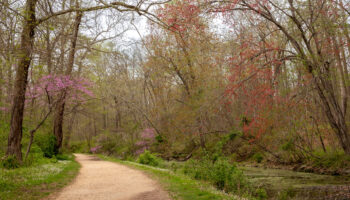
(103, 180)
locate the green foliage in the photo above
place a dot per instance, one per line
(36, 181)
(331, 159)
(199, 170)
(53, 159)
(159, 139)
(115, 144)
(288, 146)
(108, 143)
(125, 153)
(4, 130)
(78, 147)
(64, 157)
(35, 155)
(287, 194)
(174, 166)
(147, 158)
(10, 162)
(220, 173)
(233, 157)
(258, 157)
(234, 134)
(218, 150)
(260, 194)
(244, 121)
(47, 144)
(227, 177)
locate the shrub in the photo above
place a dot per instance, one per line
(47, 144)
(260, 193)
(147, 158)
(77, 147)
(220, 173)
(125, 153)
(147, 138)
(258, 157)
(63, 157)
(237, 182)
(34, 156)
(331, 159)
(96, 149)
(10, 162)
(53, 159)
(198, 169)
(159, 139)
(288, 146)
(106, 143)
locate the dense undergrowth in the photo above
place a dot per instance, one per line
(232, 146)
(43, 147)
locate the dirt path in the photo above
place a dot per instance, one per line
(103, 180)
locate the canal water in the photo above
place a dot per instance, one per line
(287, 184)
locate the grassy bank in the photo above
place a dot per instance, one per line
(179, 186)
(37, 180)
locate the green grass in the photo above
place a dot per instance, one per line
(38, 180)
(179, 186)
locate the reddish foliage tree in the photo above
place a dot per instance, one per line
(312, 43)
(181, 16)
(251, 81)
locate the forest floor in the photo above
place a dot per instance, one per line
(39, 179)
(100, 179)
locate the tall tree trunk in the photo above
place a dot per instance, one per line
(48, 51)
(117, 114)
(105, 118)
(58, 121)
(334, 112)
(9, 89)
(69, 129)
(23, 63)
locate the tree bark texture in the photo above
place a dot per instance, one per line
(23, 63)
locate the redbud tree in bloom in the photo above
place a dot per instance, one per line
(147, 138)
(52, 86)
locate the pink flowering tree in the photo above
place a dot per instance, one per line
(47, 91)
(95, 149)
(52, 86)
(4, 109)
(147, 138)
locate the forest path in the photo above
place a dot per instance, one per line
(103, 180)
